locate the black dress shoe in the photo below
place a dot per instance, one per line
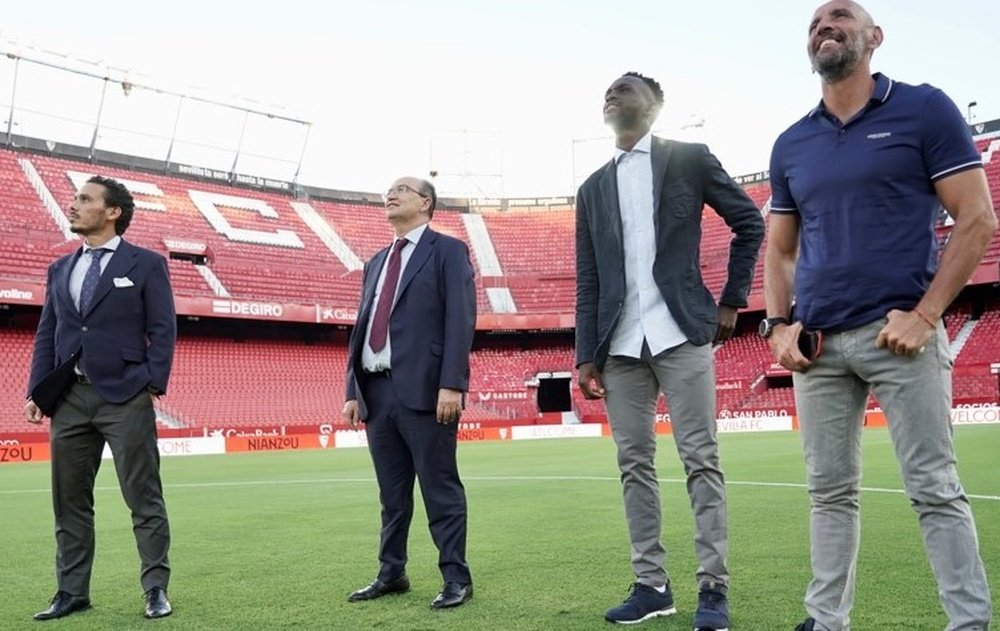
(157, 605)
(452, 595)
(63, 604)
(378, 588)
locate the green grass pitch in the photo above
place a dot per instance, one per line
(278, 540)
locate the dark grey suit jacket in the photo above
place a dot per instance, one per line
(685, 177)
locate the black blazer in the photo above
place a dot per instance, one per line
(685, 177)
(431, 325)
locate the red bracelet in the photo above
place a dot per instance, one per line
(924, 318)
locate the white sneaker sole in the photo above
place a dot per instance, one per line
(669, 611)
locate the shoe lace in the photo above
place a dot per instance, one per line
(710, 599)
(633, 590)
(630, 592)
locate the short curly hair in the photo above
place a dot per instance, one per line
(653, 84)
(116, 195)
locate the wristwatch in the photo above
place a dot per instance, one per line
(767, 326)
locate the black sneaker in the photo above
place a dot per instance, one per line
(643, 603)
(713, 611)
(807, 625)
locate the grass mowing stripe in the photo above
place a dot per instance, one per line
(499, 478)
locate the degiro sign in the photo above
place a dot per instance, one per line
(260, 309)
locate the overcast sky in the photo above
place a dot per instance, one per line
(389, 84)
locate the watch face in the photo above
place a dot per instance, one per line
(765, 328)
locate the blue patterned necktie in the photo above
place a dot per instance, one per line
(91, 279)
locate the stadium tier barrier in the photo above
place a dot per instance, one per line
(32, 448)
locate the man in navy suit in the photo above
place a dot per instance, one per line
(408, 368)
(645, 323)
(103, 350)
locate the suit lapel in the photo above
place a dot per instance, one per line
(417, 260)
(371, 282)
(659, 157)
(123, 260)
(609, 192)
(60, 280)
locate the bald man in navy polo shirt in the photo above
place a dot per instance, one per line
(857, 185)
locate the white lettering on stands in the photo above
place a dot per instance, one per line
(985, 414)
(211, 174)
(338, 313)
(258, 309)
(539, 432)
(208, 205)
(755, 424)
(240, 433)
(729, 385)
(759, 413)
(503, 396)
(15, 294)
(192, 446)
(193, 247)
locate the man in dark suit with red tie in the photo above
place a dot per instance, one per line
(104, 347)
(408, 368)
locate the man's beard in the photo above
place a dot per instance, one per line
(834, 67)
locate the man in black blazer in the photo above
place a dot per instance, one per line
(103, 350)
(408, 368)
(645, 322)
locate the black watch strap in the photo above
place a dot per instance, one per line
(767, 325)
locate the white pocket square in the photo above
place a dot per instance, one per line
(124, 282)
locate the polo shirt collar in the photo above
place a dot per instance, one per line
(881, 93)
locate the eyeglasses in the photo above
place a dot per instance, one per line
(399, 189)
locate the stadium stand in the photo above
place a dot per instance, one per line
(270, 246)
(15, 348)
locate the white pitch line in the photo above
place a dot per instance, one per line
(497, 478)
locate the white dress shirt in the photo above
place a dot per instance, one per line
(83, 264)
(382, 360)
(645, 315)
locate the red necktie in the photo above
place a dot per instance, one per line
(380, 321)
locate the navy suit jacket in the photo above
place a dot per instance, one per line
(431, 325)
(127, 335)
(686, 176)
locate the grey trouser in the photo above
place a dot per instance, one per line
(915, 393)
(686, 375)
(80, 427)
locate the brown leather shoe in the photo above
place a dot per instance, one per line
(157, 605)
(63, 604)
(378, 588)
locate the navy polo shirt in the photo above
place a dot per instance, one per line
(864, 194)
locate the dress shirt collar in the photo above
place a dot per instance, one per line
(644, 145)
(413, 236)
(111, 245)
